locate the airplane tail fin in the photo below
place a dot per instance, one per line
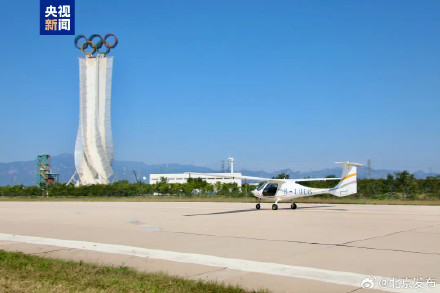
(348, 183)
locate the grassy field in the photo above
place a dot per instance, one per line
(329, 200)
(26, 273)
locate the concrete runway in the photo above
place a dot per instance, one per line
(316, 248)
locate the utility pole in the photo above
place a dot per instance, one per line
(135, 176)
(369, 168)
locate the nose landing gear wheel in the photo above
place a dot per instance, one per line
(274, 206)
(293, 206)
(258, 206)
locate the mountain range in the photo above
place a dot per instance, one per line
(24, 172)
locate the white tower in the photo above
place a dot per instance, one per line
(94, 143)
(231, 165)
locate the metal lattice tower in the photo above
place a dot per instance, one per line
(43, 168)
(44, 173)
(369, 168)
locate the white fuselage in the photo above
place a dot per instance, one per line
(286, 191)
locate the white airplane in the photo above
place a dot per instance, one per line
(288, 189)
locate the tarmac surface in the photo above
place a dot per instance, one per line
(315, 248)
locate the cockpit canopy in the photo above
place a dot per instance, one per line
(270, 189)
(261, 186)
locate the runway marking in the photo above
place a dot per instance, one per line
(366, 212)
(329, 276)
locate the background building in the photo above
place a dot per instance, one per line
(183, 178)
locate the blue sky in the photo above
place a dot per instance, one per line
(276, 84)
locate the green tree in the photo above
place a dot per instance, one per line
(282, 175)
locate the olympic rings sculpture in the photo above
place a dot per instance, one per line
(96, 47)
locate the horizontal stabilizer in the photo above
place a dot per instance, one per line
(349, 163)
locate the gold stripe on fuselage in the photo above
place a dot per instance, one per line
(348, 176)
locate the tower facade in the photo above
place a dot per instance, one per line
(94, 142)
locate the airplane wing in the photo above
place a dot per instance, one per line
(259, 178)
(315, 179)
(237, 177)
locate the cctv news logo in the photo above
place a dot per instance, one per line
(57, 17)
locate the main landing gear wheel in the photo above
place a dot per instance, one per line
(274, 206)
(258, 206)
(293, 206)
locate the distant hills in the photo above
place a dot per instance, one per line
(14, 173)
